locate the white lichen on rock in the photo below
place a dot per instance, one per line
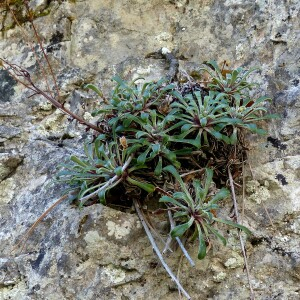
(46, 106)
(219, 277)
(92, 237)
(7, 190)
(113, 275)
(88, 117)
(118, 231)
(258, 192)
(234, 262)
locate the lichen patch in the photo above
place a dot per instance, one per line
(118, 231)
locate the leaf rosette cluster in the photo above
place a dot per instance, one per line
(173, 141)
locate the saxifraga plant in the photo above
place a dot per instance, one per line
(193, 205)
(142, 144)
(152, 136)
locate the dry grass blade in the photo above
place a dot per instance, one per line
(35, 224)
(178, 274)
(252, 297)
(244, 192)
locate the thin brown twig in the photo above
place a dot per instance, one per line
(29, 231)
(252, 297)
(162, 191)
(41, 46)
(244, 192)
(26, 37)
(268, 215)
(25, 74)
(192, 172)
(16, 78)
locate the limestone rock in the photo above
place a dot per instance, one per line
(101, 253)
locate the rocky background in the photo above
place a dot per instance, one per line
(101, 253)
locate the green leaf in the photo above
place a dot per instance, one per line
(202, 244)
(186, 127)
(167, 199)
(127, 122)
(203, 122)
(198, 192)
(155, 148)
(101, 137)
(216, 134)
(180, 214)
(144, 116)
(139, 134)
(208, 181)
(148, 187)
(222, 194)
(142, 157)
(133, 148)
(76, 160)
(261, 99)
(176, 175)
(170, 155)
(177, 95)
(236, 225)
(196, 142)
(234, 76)
(158, 168)
(184, 151)
(102, 197)
(217, 234)
(119, 80)
(94, 88)
(179, 195)
(179, 230)
(118, 171)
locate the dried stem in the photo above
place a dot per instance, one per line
(172, 223)
(268, 215)
(41, 45)
(28, 40)
(20, 72)
(156, 249)
(244, 192)
(29, 231)
(192, 172)
(252, 297)
(178, 273)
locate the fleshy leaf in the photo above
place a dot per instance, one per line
(148, 187)
(236, 225)
(179, 230)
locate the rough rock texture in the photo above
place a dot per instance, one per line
(101, 253)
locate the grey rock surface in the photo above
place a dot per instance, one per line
(100, 253)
